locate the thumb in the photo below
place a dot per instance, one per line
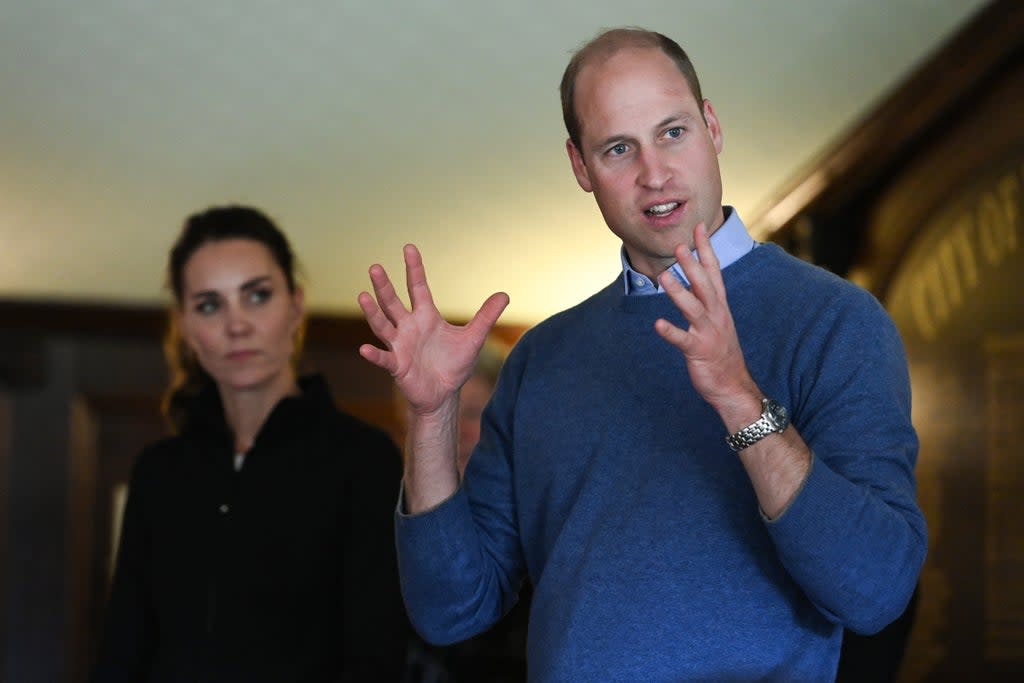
(488, 314)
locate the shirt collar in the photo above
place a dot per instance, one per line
(730, 242)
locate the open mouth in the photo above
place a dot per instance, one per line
(662, 209)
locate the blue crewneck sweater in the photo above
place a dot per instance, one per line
(605, 477)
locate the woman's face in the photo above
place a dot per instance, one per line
(239, 317)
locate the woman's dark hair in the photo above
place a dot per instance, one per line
(188, 378)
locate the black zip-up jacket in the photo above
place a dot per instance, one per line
(283, 571)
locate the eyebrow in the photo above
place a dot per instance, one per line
(246, 286)
(255, 282)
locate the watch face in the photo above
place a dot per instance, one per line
(777, 414)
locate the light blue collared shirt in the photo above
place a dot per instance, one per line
(730, 242)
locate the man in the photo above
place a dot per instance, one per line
(660, 550)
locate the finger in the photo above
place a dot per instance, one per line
(416, 278)
(488, 315)
(380, 358)
(696, 271)
(676, 336)
(701, 284)
(688, 304)
(387, 297)
(379, 324)
(708, 257)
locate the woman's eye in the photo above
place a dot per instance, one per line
(258, 296)
(206, 307)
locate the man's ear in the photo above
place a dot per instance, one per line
(714, 126)
(579, 168)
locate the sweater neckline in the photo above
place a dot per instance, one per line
(734, 275)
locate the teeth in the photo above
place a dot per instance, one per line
(662, 209)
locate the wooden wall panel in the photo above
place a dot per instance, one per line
(112, 430)
(80, 534)
(6, 438)
(922, 204)
(37, 605)
(956, 291)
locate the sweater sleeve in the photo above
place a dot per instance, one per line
(461, 563)
(854, 538)
(129, 636)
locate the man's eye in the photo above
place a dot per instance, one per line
(618, 150)
(676, 132)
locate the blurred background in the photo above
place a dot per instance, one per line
(881, 140)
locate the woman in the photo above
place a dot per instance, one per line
(257, 542)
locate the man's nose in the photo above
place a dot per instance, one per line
(654, 171)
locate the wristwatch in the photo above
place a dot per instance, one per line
(774, 419)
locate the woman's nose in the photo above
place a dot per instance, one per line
(238, 322)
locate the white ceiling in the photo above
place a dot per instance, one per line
(362, 125)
